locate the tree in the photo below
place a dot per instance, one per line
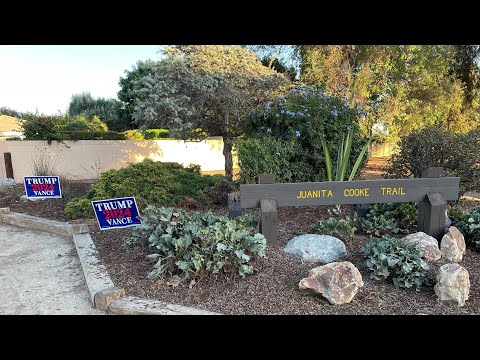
(126, 94)
(106, 109)
(274, 63)
(466, 68)
(208, 89)
(403, 87)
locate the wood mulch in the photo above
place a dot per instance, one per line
(273, 288)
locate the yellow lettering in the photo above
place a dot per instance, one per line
(366, 191)
(323, 192)
(330, 194)
(345, 192)
(309, 194)
(302, 195)
(401, 191)
(316, 193)
(394, 191)
(389, 191)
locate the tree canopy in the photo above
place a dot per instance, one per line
(207, 88)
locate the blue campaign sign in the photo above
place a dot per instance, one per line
(42, 187)
(116, 213)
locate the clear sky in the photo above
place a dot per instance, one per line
(44, 77)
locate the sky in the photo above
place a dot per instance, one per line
(44, 77)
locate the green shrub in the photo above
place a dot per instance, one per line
(405, 214)
(42, 128)
(152, 134)
(391, 258)
(469, 226)
(218, 193)
(192, 246)
(459, 154)
(153, 182)
(343, 229)
(379, 225)
(272, 156)
(13, 138)
(93, 135)
(79, 208)
(83, 123)
(302, 117)
(133, 135)
(393, 218)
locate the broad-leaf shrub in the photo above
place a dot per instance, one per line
(151, 183)
(469, 226)
(195, 245)
(459, 154)
(389, 218)
(297, 121)
(271, 156)
(392, 258)
(341, 228)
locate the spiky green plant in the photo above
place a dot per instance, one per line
(343, 157)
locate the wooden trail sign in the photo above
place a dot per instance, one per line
(432, 193)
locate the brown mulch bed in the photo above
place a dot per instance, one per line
(273, 288)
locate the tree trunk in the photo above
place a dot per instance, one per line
(227, 152)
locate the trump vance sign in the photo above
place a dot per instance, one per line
(42, 187)
(116, 213)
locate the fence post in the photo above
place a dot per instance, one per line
(8, 164)
(269, 220)
(264, 179)
(431, 211)
(234, 208)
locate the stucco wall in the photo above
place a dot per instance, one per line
(86, 159)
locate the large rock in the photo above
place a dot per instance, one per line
(452, 245)
(453, 284)
(337, 282)
(428, 243)
(316, 248)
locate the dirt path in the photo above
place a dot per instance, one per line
(40, 274)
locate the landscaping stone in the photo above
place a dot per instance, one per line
(453, 245)
(453, 284)
(337, 282)
(316, 248)
(426, 242)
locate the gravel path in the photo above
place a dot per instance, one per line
(40, 274)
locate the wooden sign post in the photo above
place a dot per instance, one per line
(432, 191)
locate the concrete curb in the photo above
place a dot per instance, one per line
(132, 305)
(103, 293)
(100, 286)
(40, 224)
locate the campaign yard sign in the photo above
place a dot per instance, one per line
(42, 187)
(116, 213)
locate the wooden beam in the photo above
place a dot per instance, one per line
(349, 192)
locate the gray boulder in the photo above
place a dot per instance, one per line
(316, 248)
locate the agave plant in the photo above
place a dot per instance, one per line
(342, 158)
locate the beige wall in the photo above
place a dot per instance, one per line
(86, 159)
